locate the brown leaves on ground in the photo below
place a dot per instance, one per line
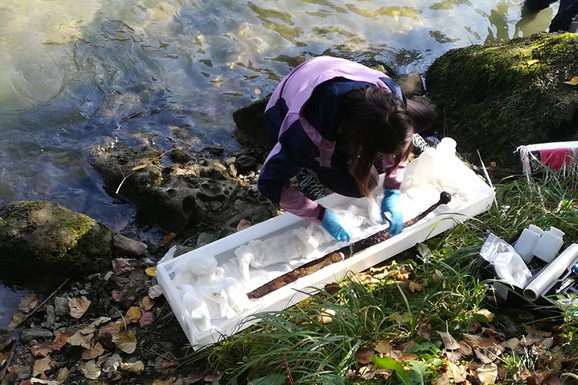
(28, 303)
(78, 306)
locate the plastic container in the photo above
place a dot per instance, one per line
(527, 242)
(549, 244)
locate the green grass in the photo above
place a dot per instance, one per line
(298, 346)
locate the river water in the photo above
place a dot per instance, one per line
(78, 73)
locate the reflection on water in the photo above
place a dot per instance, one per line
(78, 73)
(9, 301)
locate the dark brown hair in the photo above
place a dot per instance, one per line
(373, 120)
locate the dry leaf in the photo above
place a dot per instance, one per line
(93, 352)
(167, 238)
(450, 342)
(243, 224)
(146, 319)
(151, 271)
(133, 314)
(363, 355)
(414, 286)
(169, 362)
(512, 343)
(91, 370)
(17, 319)
(487, 374)
(147, 303)
(40, 350)
(28, 303)
(139, 167)
(400, 275)
(474, 326)
(133, 367)
(125, 341)
(533, 61)
(484, 356)
(121, 266)
(99, 321)
(41, 381)
(442, 379)
(41, 365)
(3, 358)
(155, 291)
(81, 339)
(78, 306)
(110, 328)
(62, 375)
(424, 330)
(60, 340)
(456, 372)
(484, 315)
(453, 355)
(407, 357)
(465, 349)
(382, 346)
(541, 333)
(573, 81)
(111, 363)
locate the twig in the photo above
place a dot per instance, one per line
(8, 362)
(42, 304)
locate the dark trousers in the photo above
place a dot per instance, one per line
(566, 12)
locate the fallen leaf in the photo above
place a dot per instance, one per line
(424, 330)
(450, 342)
(91, 370)
(78, 306)
(243, 224)
(442, 379)
(572, 81)
(167, 238)
(484, 315)
(487, 374)
(93, 352)
(45, 382)
(155, 291)
(133, 367)
(382, 346)
(533, 61)
(62, 375)
(133, 314)
(111, 363)
(41, 365)
(139, 167)
(40, 350)
(110, 328)
(407, 357)
(60, 340)
(400, 275)
(28, 303)
(212, 377)
(121, 266)
(484, 356)
(456, 372)
(99, 321)
(363, 355)
(125, 341)
(492, 333)
(146, 319)
(541, 333)
(17, 319)
(465, 349)
(147, 303)
(415, 287)
(3, 358)
(453, 355)
(80, 339)
(151, 271)
(169, 362)
(512, 343)
(474, 326)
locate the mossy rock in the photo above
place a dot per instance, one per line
(40, 241)
(495, 98)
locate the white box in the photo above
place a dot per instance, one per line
(442, 219)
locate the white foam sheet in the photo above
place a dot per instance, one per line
(206, 287)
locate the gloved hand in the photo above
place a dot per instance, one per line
(390, 204)
(332, 225)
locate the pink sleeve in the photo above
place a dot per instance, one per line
(297, 203)
(394, 179)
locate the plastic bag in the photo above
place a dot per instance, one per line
(507, 262)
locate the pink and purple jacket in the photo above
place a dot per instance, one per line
(305, 118)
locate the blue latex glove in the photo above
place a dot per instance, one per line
(390, 204)
(332, 225)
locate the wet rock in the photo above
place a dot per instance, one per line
(251, 128)
(411, 84)
(50, 316)
(43, 239)
(205, 239)
(129, 247)
(500, 96)
(245, 163)
(25, 373)
(29, 335)
(61, 306)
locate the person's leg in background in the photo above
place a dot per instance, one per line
(566, 13)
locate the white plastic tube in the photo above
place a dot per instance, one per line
(551, 272)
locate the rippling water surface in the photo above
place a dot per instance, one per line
(78, 73)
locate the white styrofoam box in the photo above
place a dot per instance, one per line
(442, 219)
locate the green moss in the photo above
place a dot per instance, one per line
(77, 224)
(3, 222)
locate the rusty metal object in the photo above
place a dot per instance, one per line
(339, 255)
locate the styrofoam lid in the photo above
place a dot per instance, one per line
(557, 232)
(535, 229)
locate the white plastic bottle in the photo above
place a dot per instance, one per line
(549, 244)
(527, 242)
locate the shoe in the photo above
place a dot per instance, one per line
(310, 186)
(419, 144)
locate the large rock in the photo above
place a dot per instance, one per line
(496, 98)
(42, 239)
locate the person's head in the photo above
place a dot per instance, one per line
(373, 120)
